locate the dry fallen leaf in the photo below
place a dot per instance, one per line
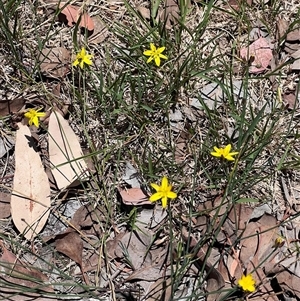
(134, 196)
(293, 35)
(55, 62)
(296, 64)
(289, 283)
(290, 100)
(65, 153)
(100, 31)
(144, 11)
(170, 14)
(160, 290)
(281, 28)
(30, 201)
(6, 144)
(20, 282)
(135, 245)
(71, 245)
(260, 55)
(11, 106)
(73, 14)
(258, 239)
(4, 204)
(88, 219)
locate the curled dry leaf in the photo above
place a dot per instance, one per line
(30, 201)
(260, 55)
(69, 168)
(55, 62)
(18, 276)
(73, 14)
(100, 31)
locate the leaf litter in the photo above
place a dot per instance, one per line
(138, 253)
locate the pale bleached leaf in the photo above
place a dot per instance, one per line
(66, 157)
(30, 200)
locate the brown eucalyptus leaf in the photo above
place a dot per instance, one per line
(134, 196)
(4, 204)
(170, 14)
(73, 14)
(136, 246)
(265, 289)
(100, 31)
(65, 154)
(55, 62)
(150, 272)
(296, 63)
(19, 278)
(71, 245)
(281, 28)
(112, 244)
(260, 54)
(88, 219)
(258, 239)
(289, 283)
(289, 99)
(293, 35)
(161, 290)
(30, 200)
(144, 11)
(11, 106)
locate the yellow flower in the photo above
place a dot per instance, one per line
(33, 116)
(279, 242)
(163, 192)
(247, 283)
(82, 58)
(224, 153)
(155, 53)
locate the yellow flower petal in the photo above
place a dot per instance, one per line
(172, 195)
(161, 49)
(247, 283)
(155, 196)
(149, 59)
(164, 202)
(147, 52)
(227, 149)
(152, 47)
(164, 183)
(163, 56)
(157, 61)
(155, 186)
(215, 154)
(33, 116)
